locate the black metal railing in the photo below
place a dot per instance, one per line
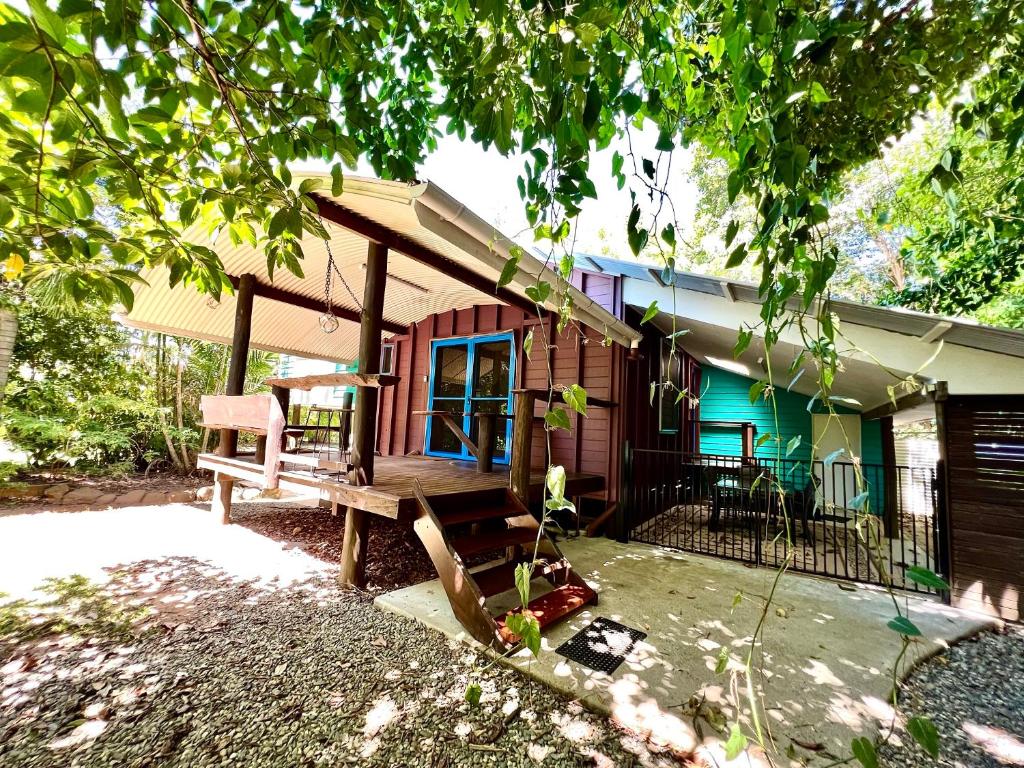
(867, 522)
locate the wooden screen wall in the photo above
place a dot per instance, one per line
(573, 358)
(982, 445)
(607, 372)
(640, 414)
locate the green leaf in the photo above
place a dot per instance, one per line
(792, 445)
(668, 234)
(832, 457)
(730, 232)
(736, 743)
(631, 103)
(756, 390)
(575, 397)
(558, 418)
(524, 572)
(528, 344)
(652, 310)
(926, 578)
(739, 253)
(904, 626)
(723, 660)
(742, 342)
(716, 46)
(925, 734)
(527, 629)
(473, 692)
(509, 270)
(795, 379)
(818, 93)
(637, 236)
(863, 749)
(337, 180)
(538, 292)
(555, 480)
(48, 21)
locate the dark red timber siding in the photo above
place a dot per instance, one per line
(982, 445)
(641, 414)
(577, 356)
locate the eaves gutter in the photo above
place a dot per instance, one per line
(447, 216)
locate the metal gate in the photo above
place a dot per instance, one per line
(731, 507)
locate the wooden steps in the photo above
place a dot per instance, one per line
(496, 520)
(501, 577)
(549, 608)
(477, 514)
(473, 544)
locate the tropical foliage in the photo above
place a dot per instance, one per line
(84, 393)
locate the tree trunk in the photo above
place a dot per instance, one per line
(186, 460)
(8, 332)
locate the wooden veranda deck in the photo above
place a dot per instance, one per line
(392, 493)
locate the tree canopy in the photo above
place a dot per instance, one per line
(125, 121)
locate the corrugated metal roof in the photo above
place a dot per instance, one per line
(420, 212)
(961, 331)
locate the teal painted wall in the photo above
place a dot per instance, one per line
(726, 397)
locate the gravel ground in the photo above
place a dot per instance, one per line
(220, 672)
(974, 694)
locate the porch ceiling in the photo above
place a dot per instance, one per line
(420, 221)
(872, 357)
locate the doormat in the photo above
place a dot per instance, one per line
(602, 645)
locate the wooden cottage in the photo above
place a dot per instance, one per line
(448, 430)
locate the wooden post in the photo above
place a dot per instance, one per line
(485, 442)
(239, 355)
(228, 445)
(522, 444)
(284, 398)
(364, 423)
(345, 427)
(944, 556)
(890, 504)
(221, 502)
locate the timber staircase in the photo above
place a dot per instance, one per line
(460, 526)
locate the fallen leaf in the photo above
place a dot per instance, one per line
(813, 746)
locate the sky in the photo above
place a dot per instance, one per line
(486, 182)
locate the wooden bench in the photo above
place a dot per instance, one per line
(258, 414)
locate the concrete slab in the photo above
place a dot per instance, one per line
(827, 653)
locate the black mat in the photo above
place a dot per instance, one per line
(602, 645)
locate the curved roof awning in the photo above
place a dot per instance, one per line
(441, 256)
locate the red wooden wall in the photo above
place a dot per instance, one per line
(578, 355)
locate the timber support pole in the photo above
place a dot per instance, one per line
(235, 385)
(364, 422)
(522, 444)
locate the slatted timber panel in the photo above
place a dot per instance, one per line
(984, 450)
(593, 446)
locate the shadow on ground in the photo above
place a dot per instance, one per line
(151, 637)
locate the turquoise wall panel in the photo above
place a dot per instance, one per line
(726, 397)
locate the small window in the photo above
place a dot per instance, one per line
(670, 407)
(387, 359)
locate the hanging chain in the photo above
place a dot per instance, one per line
(333, 267)
(328, 320)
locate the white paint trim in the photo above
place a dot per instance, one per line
(937, 331)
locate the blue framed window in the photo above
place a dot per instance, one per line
(470, 375)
